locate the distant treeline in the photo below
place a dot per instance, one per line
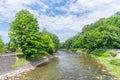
(103, 34)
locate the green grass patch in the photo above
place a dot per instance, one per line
(78, 50)
(112, 67)
(115, 62)
(73, 49)
(3, 51)
(41, 55)
(21, 59)
(104, 53)
(106, 57)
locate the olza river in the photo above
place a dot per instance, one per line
(68, 66)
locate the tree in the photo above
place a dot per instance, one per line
(1, 43)
(103, 34)
(53, 37)
(2, 46)
(24, 32)
(46, 43)
(55, 40)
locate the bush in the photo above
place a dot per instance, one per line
(104, 53)
(73, 49)
(99, 52)
(43, 53)
(113, 53)
(115, 62)
(85, 50)
(2, 50)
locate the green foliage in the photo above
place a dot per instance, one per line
(61, 45)
(113, 53)
(1, 43)
(115, 62)
(12, 46)
(104, 53)
(47, 44)
(55, 40)
(103, 34)
(24, 32)
(3, 50)
(99, 52)
(2, 46)
(53, 37)
(20, 60)
(114, 69)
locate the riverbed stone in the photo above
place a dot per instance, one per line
(8, 70)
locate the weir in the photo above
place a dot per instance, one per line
(68, 66)
(7, 62)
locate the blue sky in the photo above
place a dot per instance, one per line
(62, 17)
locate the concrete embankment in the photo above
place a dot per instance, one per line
(7, 68)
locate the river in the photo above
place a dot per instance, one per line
(67, 66)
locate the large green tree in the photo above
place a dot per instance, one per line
(46, 43)
(54, 38)
(103, 34)
(2, 46)
(1, 43)
(24, 32)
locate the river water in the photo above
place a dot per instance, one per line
(67, 66)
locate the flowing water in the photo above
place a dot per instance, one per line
(67, 66)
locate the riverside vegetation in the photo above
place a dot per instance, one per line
(3, 47)
(26, 38)
(99, 39)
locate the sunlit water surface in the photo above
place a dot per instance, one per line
(67, 66)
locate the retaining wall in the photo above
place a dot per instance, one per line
(7, 68)
(6, 63)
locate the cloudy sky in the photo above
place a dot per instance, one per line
(62, 17)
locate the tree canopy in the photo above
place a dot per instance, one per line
(2, 46)
(54, 38)
(103, 34)
(24, 33)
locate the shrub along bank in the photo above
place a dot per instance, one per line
(96, 38)
(105, 57)
(25, 38)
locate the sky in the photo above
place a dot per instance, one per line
(64, 18)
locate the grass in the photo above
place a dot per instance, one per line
(76, 50)
(104, 53)
(21, 59)
(114, 69)
(3, 51)
(106, 57)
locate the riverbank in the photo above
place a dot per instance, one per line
(108, 59)
(26, 67)
(68, 66)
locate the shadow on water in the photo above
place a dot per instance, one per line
(68, 66)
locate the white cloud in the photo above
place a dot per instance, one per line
(97, 9)
(8, 8)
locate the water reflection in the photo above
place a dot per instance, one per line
(67, 67)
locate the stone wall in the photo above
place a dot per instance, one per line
(7, 63)
(7, 68)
